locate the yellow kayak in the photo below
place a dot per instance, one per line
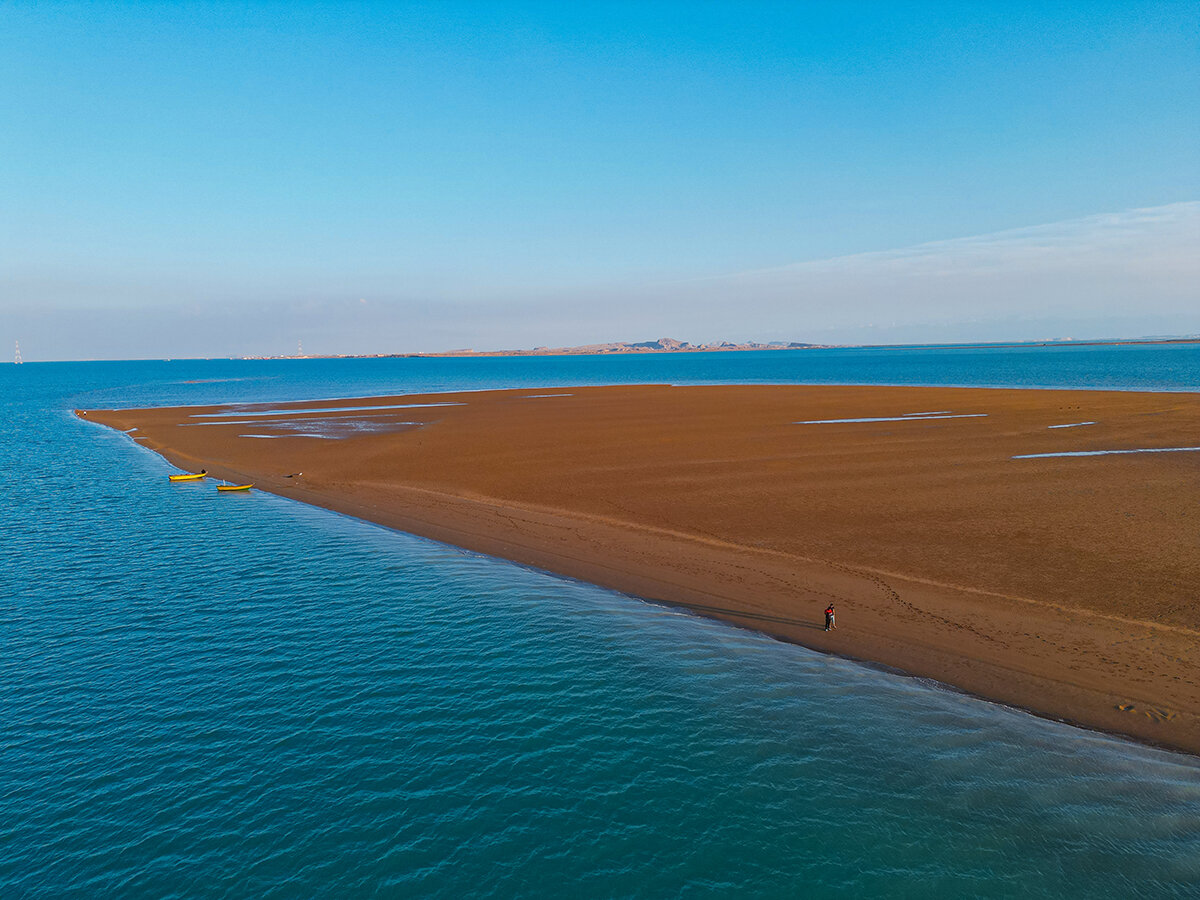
(234, 487)
(191, 476)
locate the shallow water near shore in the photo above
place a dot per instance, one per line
(229, 696)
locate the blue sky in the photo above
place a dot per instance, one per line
(213, 179)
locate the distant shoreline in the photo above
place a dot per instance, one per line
(667, 345)
(649, 347)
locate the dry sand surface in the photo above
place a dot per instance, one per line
(1068, 585)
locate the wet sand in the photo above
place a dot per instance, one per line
(953, 548)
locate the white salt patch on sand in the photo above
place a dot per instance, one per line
(304, 412)
(331, 437)
(1072, 425)
(536, 396)
(1111, 452)
(908, 418)
(327, 428)
(331, 424)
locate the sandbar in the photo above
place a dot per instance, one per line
(965, 535)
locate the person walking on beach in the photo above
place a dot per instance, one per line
(829, 622)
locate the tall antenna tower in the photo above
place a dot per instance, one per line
(17, 359)
(299, 348)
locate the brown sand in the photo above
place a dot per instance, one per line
(1067, 586)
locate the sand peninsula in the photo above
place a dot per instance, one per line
(984, 538)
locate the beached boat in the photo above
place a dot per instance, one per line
(189, 476)
(234, 487)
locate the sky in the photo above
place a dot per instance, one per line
(233, 178)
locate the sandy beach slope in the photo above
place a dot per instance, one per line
(954, 546)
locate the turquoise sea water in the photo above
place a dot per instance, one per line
(240, 696)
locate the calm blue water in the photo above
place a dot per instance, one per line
(239, 696)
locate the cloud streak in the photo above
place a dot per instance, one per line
(1142, 262)
(1137, 237)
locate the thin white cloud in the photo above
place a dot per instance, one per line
(1141, 265)
(1144, 238)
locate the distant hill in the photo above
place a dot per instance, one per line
(662, 345)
